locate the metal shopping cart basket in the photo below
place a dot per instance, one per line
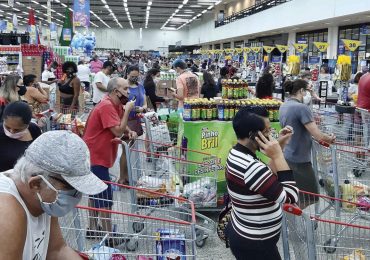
(327, 236)
(167, 234)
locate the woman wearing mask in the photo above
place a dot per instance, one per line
(311, 93)
(16, 133)
(297, 152)
(151, 80)
(11, 91)
(69, 86)
(209, 88)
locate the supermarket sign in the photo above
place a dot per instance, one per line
(321, 46)
(352, 45)
(300, 47)
(282, 48)
(268, 49)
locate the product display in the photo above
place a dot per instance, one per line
(234, 89)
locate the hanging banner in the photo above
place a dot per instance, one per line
(67, 34)
(53, 31)
(9, 27)
(352, 45)
(81, 13)
(276, 59)
(238, 50)
(15, 22)
(321, 46)
(282, 48)
(11, 3)
(268, 49)
(3, 25)
(300, 47)
(247, 50)
(256, 49)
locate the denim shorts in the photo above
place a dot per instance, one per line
(105, 198)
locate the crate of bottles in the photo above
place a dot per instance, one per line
(225, 109)
(235, 89)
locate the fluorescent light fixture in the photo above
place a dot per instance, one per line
(218, 2)
(64, 5)
(18, 3)
(185, 2)
(44, 6)
(70, 9)
(204, 11)
(37, 11)
(35, 2)
(150, 3)
(180, 6)
(29, 8)
(104, 2)
(4, 5)
(25, 13)
(148, 8)
(126, 9)
(57, 1)
(15, 9)
(106, 6)
(176, 11)
(209, 8)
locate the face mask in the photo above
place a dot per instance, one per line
(307, 98)
(123, 99)
(52, 69)
(22, 90)
(17, 135)
(134, 80)
(156, 80)
(64, 203)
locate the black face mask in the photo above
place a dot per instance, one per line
(122, 98)
(22, 90)
(134, 80)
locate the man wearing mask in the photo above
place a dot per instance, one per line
(187, 83)
(107, 121)
(46, 183)
(101, 82)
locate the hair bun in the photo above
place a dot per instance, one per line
(288, 86)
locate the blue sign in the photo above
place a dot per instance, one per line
(314, 60)
(251, 58)
(81, 13)
(341, 49)
(302, 41)
(3, 25)
(276, 59)
(365, 30)
(67, 34)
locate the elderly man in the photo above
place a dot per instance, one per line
(46, 183)
(107, 121)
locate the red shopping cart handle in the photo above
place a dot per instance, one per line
(292, 209)
(323, 143)
(42, 114)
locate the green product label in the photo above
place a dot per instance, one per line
(230, 93)
(214, 112)
(276, 115)
(203, 114)
(224, 92)
(227, 114)
(193, 113)
(232, 113)
(236, 93)
(209, 113)
(271, 115)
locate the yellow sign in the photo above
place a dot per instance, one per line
(256, 49)
(238, 50)
(9, 27)
(352, 45)
(300, 47)
(229, 50)
(282, 48)
(268, 49)
(247, 50)
(321, 46)
(228, 57)
(211, 51)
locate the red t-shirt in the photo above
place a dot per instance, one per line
(364, 92)
(98, 135)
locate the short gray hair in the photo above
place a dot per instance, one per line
(112, 85)
(24, 169)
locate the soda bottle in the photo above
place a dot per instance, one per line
(193, 111)
(245, 89)
(197, 109)
(187, 111)
(230, 90)
(276, 111)
(270, 109)
(227, 111)
(203, 110)
(232, 110)
(221, 111)
(236, 90)
(214, 110)
(209, 111)
(237, 107)
(225, 88)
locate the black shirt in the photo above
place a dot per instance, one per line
(149, 86)
(209, 91)
(12, 149)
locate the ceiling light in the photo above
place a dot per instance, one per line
(148, 8)
(195, 6)
(18, 3)
(185, 2)
(346, 20)
(104, 2)
(176, 11)
(4, 5)
(204, 11)
(150, 3)
(70, 9)
(209, 8)
(106, 6)
(25, 13)
(181, 6)
(218, 2)
(15, 9)
(37, 11)
(63, 5)
(44, 6)
(57, 1)
(35, 2)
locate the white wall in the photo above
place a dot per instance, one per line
(287, 15)
(128, 39)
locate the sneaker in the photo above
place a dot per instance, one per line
(93, 234)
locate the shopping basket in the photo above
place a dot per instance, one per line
(167, 234)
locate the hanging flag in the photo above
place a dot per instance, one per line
(282, 48)
(34, 37)
(256, 49)
(268, 49)
(81, 13)
(352, 45)
(247, 49)
(300, 47)
(15, 22)
(3, 25)
(53, 31)
(48, 5)
(67, 30)
(321, 46)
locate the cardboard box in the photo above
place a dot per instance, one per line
(161, 89)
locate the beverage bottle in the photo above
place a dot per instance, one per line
(227, 111)
(197, 109)
(203, 110)
(209, 111)
(271, 110)
(230, 90)
(225, 87)
(187, 110)
(232, 110)
(348, 195)
(276, 112)
(214, 110)
(236, 90)
(193, 110)
(221, 111)
(237, 107)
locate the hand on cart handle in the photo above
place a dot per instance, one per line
(292, 209)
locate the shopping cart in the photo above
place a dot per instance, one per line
(166, 173)
(328, 236)
(167, 234)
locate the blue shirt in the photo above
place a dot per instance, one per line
(139, 93)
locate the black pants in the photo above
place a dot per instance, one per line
(245, 249)
(87, 85)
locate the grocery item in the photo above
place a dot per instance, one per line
(357, 254)
(348, 195)
(170, 244)
(234, 89)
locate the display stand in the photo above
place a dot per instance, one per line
(13, 56)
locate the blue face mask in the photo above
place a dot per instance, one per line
(64, 202)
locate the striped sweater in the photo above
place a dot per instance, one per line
(256, 194)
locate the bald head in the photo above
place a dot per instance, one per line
(116, 83)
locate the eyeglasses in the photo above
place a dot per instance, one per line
(66, 184)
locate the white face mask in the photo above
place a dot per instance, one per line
(156, 80)
(307, 98)
(18, 135)
(52, 69)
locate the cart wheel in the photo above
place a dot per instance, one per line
(357, 172)
(137, 227)
(200, 239)
(132, 245)
(329, 247)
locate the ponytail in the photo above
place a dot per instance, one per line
(292, 87)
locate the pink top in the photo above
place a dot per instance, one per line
(96, 66)
(190, 85)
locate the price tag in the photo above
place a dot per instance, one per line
(300, 47)
(256, 49)
(321, 46)
(268, 49)
(247, 50)
(282, 48)
(352, 45)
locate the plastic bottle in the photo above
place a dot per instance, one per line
(203, 110)
(197, 106)
(232, 110)
(349, 195)
(214, 110)
(209, 111)
(230, 90)
(193, 111)
(221, 111)
(227, 111)
(236, 90)
(237, 107)
(225, 89)
(187, 111)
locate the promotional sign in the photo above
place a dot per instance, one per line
(67, 34)
(81, 13)
(276, 59)
(238, 50)
(268, 49)
(215, 138)
(282, 48)
(3, 25)
(9, 27)
(313, 60)
(247, 49)
(321, 46)
(352, 45)
(256, 49)
(53, 31)
(300, 47)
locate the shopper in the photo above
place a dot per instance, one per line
(11, 90)
(35, 93)
(69, 86)
(298, 151)
(83, 73)
(223, 76)
(187, 83)
(107, 120)
(364, 103)
(209, 88)
(96, 65)
(48, 76)
(311, 93)
(353, 87)
(46, 183)
(16, 133)
(150, 82)
(265, 86)
(256, 192)
(101, 82)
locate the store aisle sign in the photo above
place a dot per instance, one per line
(321, 46)
(282, 48)
(268, 49)
(314, 60)
(352, 45)
(300, 47)
(67, 34)
(256, 49)
(276, 59)
(81, 13)
(247, 50)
